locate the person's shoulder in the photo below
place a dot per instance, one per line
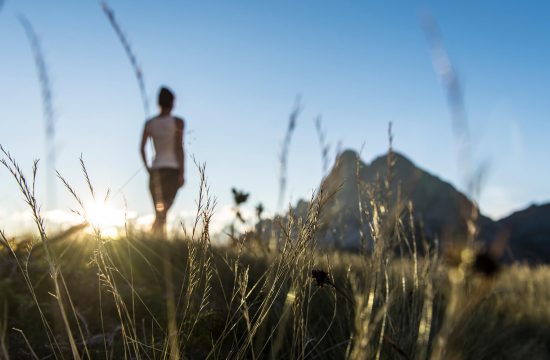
(179, 121)
(150, 120)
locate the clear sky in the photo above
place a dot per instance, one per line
(237, 67)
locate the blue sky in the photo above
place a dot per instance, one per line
(236, 68)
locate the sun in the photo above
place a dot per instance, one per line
(103, 216)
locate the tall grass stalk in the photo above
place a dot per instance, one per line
(195, 292)
(324, 146)
(24, 272)
(449, 78)
(108, 274)
(4, 326)
(47, 106)
(459, 276)
(283, 157)
(60, 291)
(129, 53)
(27, 343)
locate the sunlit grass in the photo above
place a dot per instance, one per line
(145, 297)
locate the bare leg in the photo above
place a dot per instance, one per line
(163, 188)
(159, 226)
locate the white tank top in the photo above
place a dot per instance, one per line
(163, 133)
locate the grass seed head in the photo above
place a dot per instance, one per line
(321, 277)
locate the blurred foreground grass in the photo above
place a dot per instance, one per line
(248, 303)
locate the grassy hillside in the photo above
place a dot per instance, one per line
(140, 297)
(145, 298)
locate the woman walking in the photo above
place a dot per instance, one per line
(166, 172)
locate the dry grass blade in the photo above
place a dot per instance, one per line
(87, 177)
(54, 270)
(47, 103)
(446, 70)
(448, 76)
(325, 147)
(129, 52)
(283, 157)
(27, 343)
(70, 189)
(24, 272)
(3, 328)
(196, 290)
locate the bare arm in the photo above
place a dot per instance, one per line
(179, 150)
(144, 138)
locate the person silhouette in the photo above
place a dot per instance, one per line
(166, 172)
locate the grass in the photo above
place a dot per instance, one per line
(260, 305)
(140, 297)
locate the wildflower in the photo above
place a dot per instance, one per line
(239, 196)
(486, 264)
(259, 210)
(321, 278)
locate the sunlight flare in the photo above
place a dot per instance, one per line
(103, 216)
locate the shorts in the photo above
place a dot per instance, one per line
(163, 184)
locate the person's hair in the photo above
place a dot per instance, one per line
(166, 97)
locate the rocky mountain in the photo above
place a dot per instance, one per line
(527, 234)
(438, 207)
(440, 211)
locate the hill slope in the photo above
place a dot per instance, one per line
(438, 206)
(439, 209)
(527, 233)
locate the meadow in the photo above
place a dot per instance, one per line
(86, 296)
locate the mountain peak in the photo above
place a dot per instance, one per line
(350, 155)
(347, 156)
(438, 205)
(400, 160)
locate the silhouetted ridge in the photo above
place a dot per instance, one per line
(440, 207)
(527, 234)
(347, 155)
